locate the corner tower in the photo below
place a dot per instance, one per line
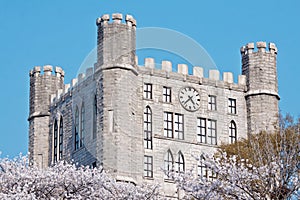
(42, 85)
(117, 86)
(116, 41)
(262, 87)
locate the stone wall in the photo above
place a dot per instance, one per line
(116, 82)
(262, 94)
(42, 85)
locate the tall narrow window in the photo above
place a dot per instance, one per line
(180, 163)
(211, 132)
(95, 117)
(147, 128)
(148, 166)
(178, 126)
(61, 137)
(77, 129)
(82, 125)
(202, 169)
(232, 106)
(147, 91)
(168, 124)
(55, 141)
(168, 163)
(167, 94)
(232, 132)
(212, 102)
(201, 130)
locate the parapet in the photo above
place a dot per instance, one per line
(47, 71)
(116, 19)
(74, 83)
(197, 74)
(261, 47)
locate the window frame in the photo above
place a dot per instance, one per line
(95, 108)
(207, 131)
(167, 94)
(55, 141)
(200, 129)
(77, 139)
(202, 170)
(178, 126)
(180, 164)
(61, 138)
(205, 172)
(212, 102)
(168, 164)
(148, 166)
(232, 132)
(82, 125)
(147, 90)
(232, 106)
(148, 128)
(168, 124)
(211, 131)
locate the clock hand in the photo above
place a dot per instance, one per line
(191, 98)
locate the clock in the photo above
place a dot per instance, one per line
(189, 98)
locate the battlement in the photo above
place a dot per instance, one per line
(47, 71)
(198, 72)
(74, 83)
(116, 19)
(261, 47)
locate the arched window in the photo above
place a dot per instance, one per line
(95, 117)
(61, 135)
(76, 128)
(180, 163)
(202, 169)
(232, 132)
(55, 138)
(82, 127)
(168, 163)
(147, 128)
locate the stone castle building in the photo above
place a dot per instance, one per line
(137, 120)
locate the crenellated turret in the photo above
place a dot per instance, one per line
(262, 86)
(42, 85)
(116, 42)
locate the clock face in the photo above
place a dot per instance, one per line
(189, 98)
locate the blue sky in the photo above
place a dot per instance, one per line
(63, 33)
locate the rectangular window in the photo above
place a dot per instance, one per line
(147, 91)
(211, 132)
(201, 130)
(207, 131)
(178, 126)
(168, 124)
(212, 103)
(232, 106)
(173, 125)
(167, 94)
(147, 128)
(148, 166)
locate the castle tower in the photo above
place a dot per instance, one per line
(262, 86)
(41, 87)
(116, 41)
(117, 96)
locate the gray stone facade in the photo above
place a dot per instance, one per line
(106, 107)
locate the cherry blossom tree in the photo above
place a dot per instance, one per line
(18, 180)
(264, 166)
